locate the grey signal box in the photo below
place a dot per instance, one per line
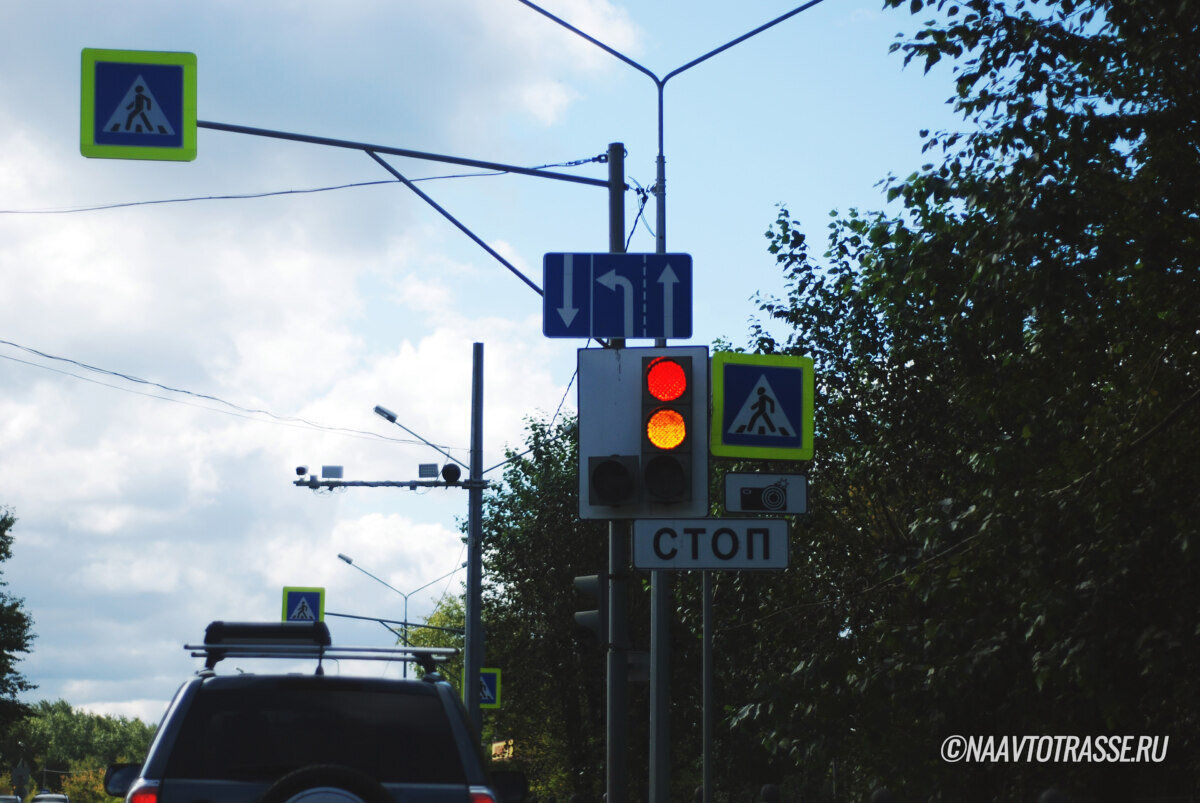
(620, 477)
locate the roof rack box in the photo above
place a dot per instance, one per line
(281, 633)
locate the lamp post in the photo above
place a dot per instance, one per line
(350, 562)
(660, 581)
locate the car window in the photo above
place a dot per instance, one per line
(259, 731)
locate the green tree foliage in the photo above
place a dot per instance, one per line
(448, 615)
(534, 545)
(16, 635)
(86, 785)
(66, 747)
(1004, 505)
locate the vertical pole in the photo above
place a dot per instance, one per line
(707, 682)
(661, 600)
(474, 647)
(616, 764)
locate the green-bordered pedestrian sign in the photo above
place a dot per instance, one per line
(762, 406)
(303, 604)
(138, 104)
(489, 688)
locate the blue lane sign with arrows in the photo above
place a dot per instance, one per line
(617, 295)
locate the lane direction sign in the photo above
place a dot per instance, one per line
(762, 406)
(617, 295)
(138, 104)
(732, 544)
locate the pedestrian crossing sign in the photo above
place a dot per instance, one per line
(303, 604)
(489, 687)
(138, 104)
(762, 406)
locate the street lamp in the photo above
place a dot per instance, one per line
(350, 562)
(660, 582)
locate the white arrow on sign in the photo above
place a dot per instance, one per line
(568, 310)
(668, 280)
(611, 280)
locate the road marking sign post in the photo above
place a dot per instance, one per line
(685, 544)
(766, 493)
(762, 406)
(302, 604)
(138, 104)
(617, 295)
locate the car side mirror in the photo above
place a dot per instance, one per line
(511, 785)
(119, 777)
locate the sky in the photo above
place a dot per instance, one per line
(265, 330)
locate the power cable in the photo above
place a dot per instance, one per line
(235, 410)
(272, 193)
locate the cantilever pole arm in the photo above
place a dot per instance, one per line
(431, 157)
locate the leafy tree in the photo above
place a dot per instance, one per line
(534, 545)
(65, 747)
(449, 614)
(1003, 520)
(86, 785)
(16, 635)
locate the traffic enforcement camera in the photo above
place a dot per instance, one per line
(643, 432)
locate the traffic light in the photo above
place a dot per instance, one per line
(643, 432)
(593, 623)
(669, 428)
(612, 479)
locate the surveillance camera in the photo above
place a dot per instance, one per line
(301, 471)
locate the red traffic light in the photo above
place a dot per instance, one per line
(665, 379)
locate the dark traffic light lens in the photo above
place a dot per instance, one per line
(612, 482)
(665, 477)
(665, 379)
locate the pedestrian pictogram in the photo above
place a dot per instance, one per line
(303, 604)
(138, 104)
(761, 414)
(303, 612)
(762, 406)
(139, 112)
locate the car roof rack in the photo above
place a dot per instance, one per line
(300, 640)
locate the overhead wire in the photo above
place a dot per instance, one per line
(233, 409)
(273, 193)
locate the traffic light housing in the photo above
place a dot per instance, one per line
(669, 428)
(643, 433)
(593, 622)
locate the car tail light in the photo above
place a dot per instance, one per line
(145, 792)
(477, 795)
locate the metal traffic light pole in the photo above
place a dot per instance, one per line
(661, 596)
(616, 736)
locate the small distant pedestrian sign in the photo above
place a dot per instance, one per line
(617, 295)
(762, 406)
(138, 104)
(489, 688)
(303, 604)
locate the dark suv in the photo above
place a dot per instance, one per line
(312, 738)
